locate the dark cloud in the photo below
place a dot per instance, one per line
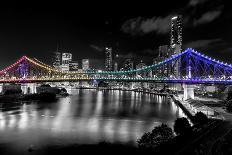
(141, 26)
(97, 48)
(196, 2)
(192, 16)
(199, 44)
(128, 55)
(207, 17)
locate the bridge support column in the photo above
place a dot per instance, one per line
(28, 88)
(132, 85)
(1, 87)
(188, 91)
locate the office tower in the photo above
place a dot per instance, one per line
(128, 64)
(66, 59)
(73, 66)
(176, 42)
(108, 59)
(56, 60)
(140, 66)
(176, 32)
(163, 51)
(116, 61)
(85, 64)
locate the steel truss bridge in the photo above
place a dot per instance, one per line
(189, 66)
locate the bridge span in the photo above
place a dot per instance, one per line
(193, 68)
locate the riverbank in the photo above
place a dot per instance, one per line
(100, 148)
(15, 98)
(196, 105)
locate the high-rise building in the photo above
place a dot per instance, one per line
(176, 32)
(56, 61)
(164, 51)
(85, 64)
(140, 66)
(116, 61)
(73, 66)
(57, 58)
(128, 65)
(176, 42)
(66, 59)
(108, 59)
(115, 66)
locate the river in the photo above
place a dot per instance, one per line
(85, 117)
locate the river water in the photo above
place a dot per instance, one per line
(86, 116)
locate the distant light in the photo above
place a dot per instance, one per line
(174, 17)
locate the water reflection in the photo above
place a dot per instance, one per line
(87, 116)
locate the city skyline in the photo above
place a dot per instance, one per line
(117, 77)
(36, 32)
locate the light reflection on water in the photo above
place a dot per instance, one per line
(87, 116)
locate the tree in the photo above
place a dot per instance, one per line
(159, 135)
(229, 106)
(182, 126)
(200, 118)
(229, 96)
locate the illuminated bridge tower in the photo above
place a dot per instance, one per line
(176, 41)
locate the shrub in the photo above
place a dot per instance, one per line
(182, 126)
(229, 106)
(200, 118)
(159, 135)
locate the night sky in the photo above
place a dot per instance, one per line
(132, 29)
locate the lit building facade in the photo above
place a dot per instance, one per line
(66, 59)
(73, 66)
(56, 60)
(176, 31)
(140, 66)
(85, 64)
(116, 61)
(164, 51)
(108, 59)
(128, 64)
(176, 42)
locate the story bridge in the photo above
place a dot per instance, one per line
(188, 67)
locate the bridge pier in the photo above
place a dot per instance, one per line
(1, 87)
(188, 91)
(28, 88)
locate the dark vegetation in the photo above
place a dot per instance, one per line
(43, 96)
(228, 102)
(161, 139)
(182, 126)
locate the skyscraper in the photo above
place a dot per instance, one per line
(140, 66)
(73, 66)
(66, 59)
(56, 60)
(164, 51)
(85, 64)
(176, 41)
(116, 61)
(128, 65)
(108, 59)
(176, 32)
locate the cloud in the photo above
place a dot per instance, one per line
(193, 15)
(100, 49)
(207, 17)
(128, 55)
(196, 2)
(141, 26)
(198, 44)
